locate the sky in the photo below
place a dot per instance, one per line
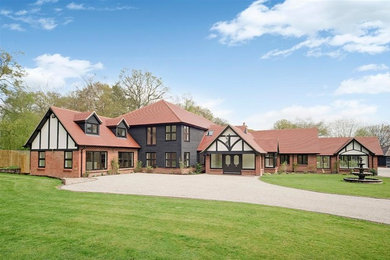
(248, 61)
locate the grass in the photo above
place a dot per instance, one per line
(330, 183)
(39, 221)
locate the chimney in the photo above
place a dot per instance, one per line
(245, 128)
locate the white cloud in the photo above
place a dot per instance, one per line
(348, 26)
(21, 12)
(79, 7)
(14, 27)
(338, 109)
(47, 23)
(374, 67)
(42, 2)
(74, 6)
(54, 71)
(371, 84)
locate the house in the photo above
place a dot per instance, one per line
(168, 139)
(68, 143)
(384, 161)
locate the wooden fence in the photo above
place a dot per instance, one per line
(21, 159)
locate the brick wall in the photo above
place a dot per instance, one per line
(55, 162)
(55, 165)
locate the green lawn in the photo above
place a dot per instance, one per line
(330, 183)
(39, 221)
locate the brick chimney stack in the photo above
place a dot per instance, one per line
(245, 128)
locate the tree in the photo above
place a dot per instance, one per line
(343, 128)
(141, 88)
(189, 104)
(382, 131)
(11, 73)
(301, 123)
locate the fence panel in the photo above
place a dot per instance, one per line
(20, 159)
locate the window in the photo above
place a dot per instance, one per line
(270, 160)
(126, 159)
(302, 158)
(68, 160)
(170, 160)
(92, 129)
(121, 132)
(186, 159)
(151, 136)
(186, 133)
(284, 158)
(96, 161)
(248, 161)
(170, 133)
(41, 159)
(323, 162)
(216, 161)
(351, 161)
(209, 133)
(151, 159)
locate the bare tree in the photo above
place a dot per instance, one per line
(382, 131)
(343, 128)
(141, 88)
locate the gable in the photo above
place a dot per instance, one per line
(51, 135)
(354, 148)
(229, 141)
(93, 119)
(122, 125)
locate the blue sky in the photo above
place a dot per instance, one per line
(247, 61)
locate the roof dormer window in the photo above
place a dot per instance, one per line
(121, 132)
(92, 129)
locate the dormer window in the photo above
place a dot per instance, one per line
(92, 129)
(120, 132)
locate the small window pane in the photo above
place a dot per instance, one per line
(248, 161)
(216, 161)
(68, 155)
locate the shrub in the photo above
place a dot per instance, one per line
(295, 166)
(149, 169)
(198, 168)
(283, 168)
(114, 167)
(374, 171)
(138, 167)
(336, 166)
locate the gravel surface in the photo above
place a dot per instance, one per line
(238, 189)
(385, 172)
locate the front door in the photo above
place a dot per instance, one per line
(232, 163)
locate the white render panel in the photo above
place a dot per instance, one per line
(71, 144)
(222, 147)
(229, 132)
(45, 135)
(35, 143)
(53, 133)
(237, 146)
(247, 147)
(212, 147)
(349, 146)
(62, 137)
(234, 139)
(353, 152)
(365, 150)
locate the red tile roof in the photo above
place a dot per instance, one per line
(105, 138)
(115, 121)
(371, 143)
(82, 116)
(217, 130)
(331, 145)
(290, 141)
(163, 112)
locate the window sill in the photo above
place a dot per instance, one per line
(41, 168)
(68, 170)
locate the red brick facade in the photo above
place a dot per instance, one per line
(257, 171)
(55, 162)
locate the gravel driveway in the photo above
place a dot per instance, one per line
(238, 189)
(385, 172)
